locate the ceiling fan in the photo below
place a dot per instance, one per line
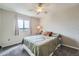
(39, 8)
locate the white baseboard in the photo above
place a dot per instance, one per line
(71, 46)
(67, 46)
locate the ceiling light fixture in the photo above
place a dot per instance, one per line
(39, 8)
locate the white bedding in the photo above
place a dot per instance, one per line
(41, 45)
(39, 39)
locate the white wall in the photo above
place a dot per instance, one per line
(8, 22)
(64, 21)
(0, 28)
(34, 25)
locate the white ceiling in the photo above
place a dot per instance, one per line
(28, 8)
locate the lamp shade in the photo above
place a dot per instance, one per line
(39, 27)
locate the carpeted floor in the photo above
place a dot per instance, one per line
(16, 50)
(19, 51)
(66, 51)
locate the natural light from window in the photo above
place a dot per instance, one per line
(23, 24)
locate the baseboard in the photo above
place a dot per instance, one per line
(11, 45)
(71, 46)
(7, 51)
(66, 46)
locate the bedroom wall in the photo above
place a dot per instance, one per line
(0, 28)
(34, 25)
(64, 21)
(8, 22)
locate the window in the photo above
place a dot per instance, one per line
(23, 24)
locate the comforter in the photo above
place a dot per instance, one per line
(41, 45)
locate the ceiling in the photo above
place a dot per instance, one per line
(28, 8)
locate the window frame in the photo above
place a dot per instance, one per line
(24, 29)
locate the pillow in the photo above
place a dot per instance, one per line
(48, 33)
(44, 33)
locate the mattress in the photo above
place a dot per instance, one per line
(41, 45)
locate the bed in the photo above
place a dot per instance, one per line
(40, 45)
